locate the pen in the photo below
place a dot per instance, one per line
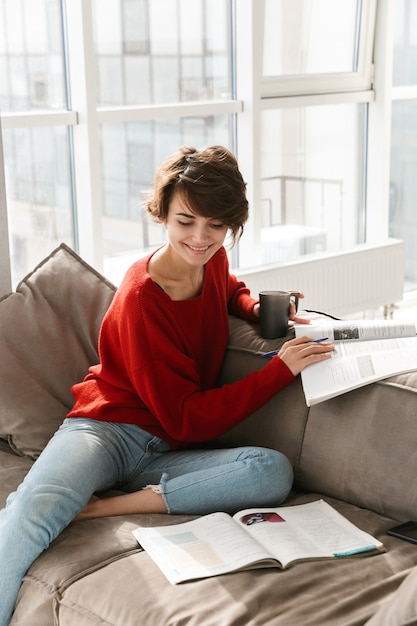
(274, 352)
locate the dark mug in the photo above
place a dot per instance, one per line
(275, 312)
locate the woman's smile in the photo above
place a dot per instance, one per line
(193, 237)
(197, 249)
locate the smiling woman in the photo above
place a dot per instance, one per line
(199, 195)
(199, 176)
(141, 414)
(178, 267)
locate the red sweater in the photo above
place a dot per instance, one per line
(160, 360)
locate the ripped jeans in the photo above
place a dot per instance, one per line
(87, 456)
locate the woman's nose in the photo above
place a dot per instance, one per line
(201, 234)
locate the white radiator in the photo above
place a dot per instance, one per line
(349, 282)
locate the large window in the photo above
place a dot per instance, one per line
(315, 84)
(313, 167)
(95, 93)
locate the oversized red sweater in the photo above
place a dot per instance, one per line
(160, 360)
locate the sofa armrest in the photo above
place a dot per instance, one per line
(360, 447)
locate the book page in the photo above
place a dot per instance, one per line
(356, 330)
(356, 364)
(207, 546)
(308, 531)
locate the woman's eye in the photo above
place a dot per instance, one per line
(214, 225)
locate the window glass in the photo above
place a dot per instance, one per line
(405, 43)
(31, 55)
(143, 59)
(130, 154)
(310, 37)
(312, 170)
(39, 194)
(403, 184)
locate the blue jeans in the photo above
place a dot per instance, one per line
(87, 456)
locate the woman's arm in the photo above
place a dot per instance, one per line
(145, 501)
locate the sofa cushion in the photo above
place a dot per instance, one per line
(399, 608)
(13, 469)
(48, 336)
(95, 573)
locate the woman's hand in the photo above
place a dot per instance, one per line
(298, 353)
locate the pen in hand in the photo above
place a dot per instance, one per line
(274, 352)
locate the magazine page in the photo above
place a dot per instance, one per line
(307, 531)
(357, 364)
(356, 330)
(207, 546)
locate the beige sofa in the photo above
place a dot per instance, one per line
(358, 452)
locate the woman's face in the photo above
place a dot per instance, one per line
(193, 237)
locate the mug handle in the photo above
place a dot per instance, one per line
(295, 296)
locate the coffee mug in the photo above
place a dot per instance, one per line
(275, 312)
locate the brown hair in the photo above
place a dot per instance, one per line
(210, 182)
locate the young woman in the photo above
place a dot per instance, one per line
(141, 415)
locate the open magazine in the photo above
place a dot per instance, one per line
(254, 538)
(365, 351)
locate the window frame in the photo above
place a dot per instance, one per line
(259, 93)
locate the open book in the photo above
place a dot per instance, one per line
(365, 351)
(254, 538)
